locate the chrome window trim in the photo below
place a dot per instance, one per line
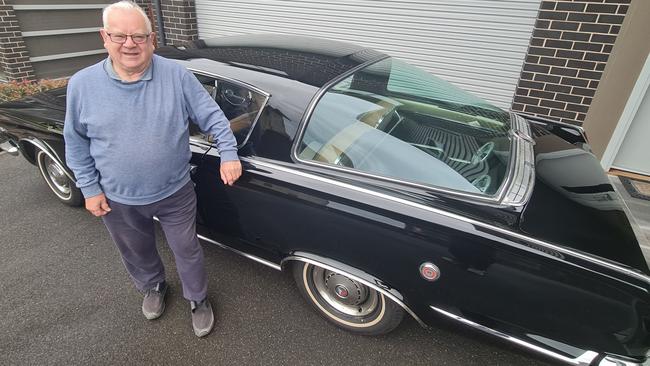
(585, 359)
(503, 196)
(266, 95)
(522, 174)
(511, 234)
(540, 120)
(229, 79)
(371, 285)
(316, 98)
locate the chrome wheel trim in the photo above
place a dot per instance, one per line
(344, 294)
(307, 277)
(54, 176)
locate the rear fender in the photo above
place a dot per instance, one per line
(353, 273)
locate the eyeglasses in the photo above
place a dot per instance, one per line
(121, 38)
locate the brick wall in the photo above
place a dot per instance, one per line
(14, 57)
(179, 17)
(568, 51)
(179, 20)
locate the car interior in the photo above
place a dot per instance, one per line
(240, 105)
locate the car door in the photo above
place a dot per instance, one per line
(223, 210)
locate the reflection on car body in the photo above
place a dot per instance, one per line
(387, 191)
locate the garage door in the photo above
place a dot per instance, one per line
(478, 45)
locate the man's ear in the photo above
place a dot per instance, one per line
(102, 33)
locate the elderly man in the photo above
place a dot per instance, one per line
(126, 135)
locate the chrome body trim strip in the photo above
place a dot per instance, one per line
(356, 278)
(467, 195)
(51, 154)
(615, 361)
(583, 360)
(612, 266)
(249, 256)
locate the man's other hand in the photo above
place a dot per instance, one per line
(230, 171)
(97, 205)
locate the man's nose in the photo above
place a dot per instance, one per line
(129, 42)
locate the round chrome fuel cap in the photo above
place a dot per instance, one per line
(429, 271)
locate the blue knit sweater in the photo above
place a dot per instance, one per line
(130, 140)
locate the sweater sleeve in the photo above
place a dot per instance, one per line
(207, 115)
(77, 145)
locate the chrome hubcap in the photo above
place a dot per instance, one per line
(345, 294)
(56, 176)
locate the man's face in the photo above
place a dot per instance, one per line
(129, 56)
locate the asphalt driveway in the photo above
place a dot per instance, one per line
(66, 299)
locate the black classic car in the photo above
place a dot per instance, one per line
(387, 191)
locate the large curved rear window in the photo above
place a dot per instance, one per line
(394, 120)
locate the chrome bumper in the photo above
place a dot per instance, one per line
(587, 358)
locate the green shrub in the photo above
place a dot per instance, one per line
(18, 89)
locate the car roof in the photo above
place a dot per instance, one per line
(313, 61)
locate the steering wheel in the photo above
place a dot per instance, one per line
(483, 152)
(237, 97)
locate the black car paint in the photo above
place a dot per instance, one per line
(495, 267)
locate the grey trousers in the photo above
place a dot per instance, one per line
(132, 230)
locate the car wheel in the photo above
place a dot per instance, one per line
(59, 183)
(346, 302)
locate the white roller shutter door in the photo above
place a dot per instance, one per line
(478, 45)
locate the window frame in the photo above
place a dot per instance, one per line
(503, 196)
(248, 86)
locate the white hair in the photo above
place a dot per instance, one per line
(125, 5)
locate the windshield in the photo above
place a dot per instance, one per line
(394, 120)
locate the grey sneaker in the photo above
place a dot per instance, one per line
(153, 304)
(202, 317)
